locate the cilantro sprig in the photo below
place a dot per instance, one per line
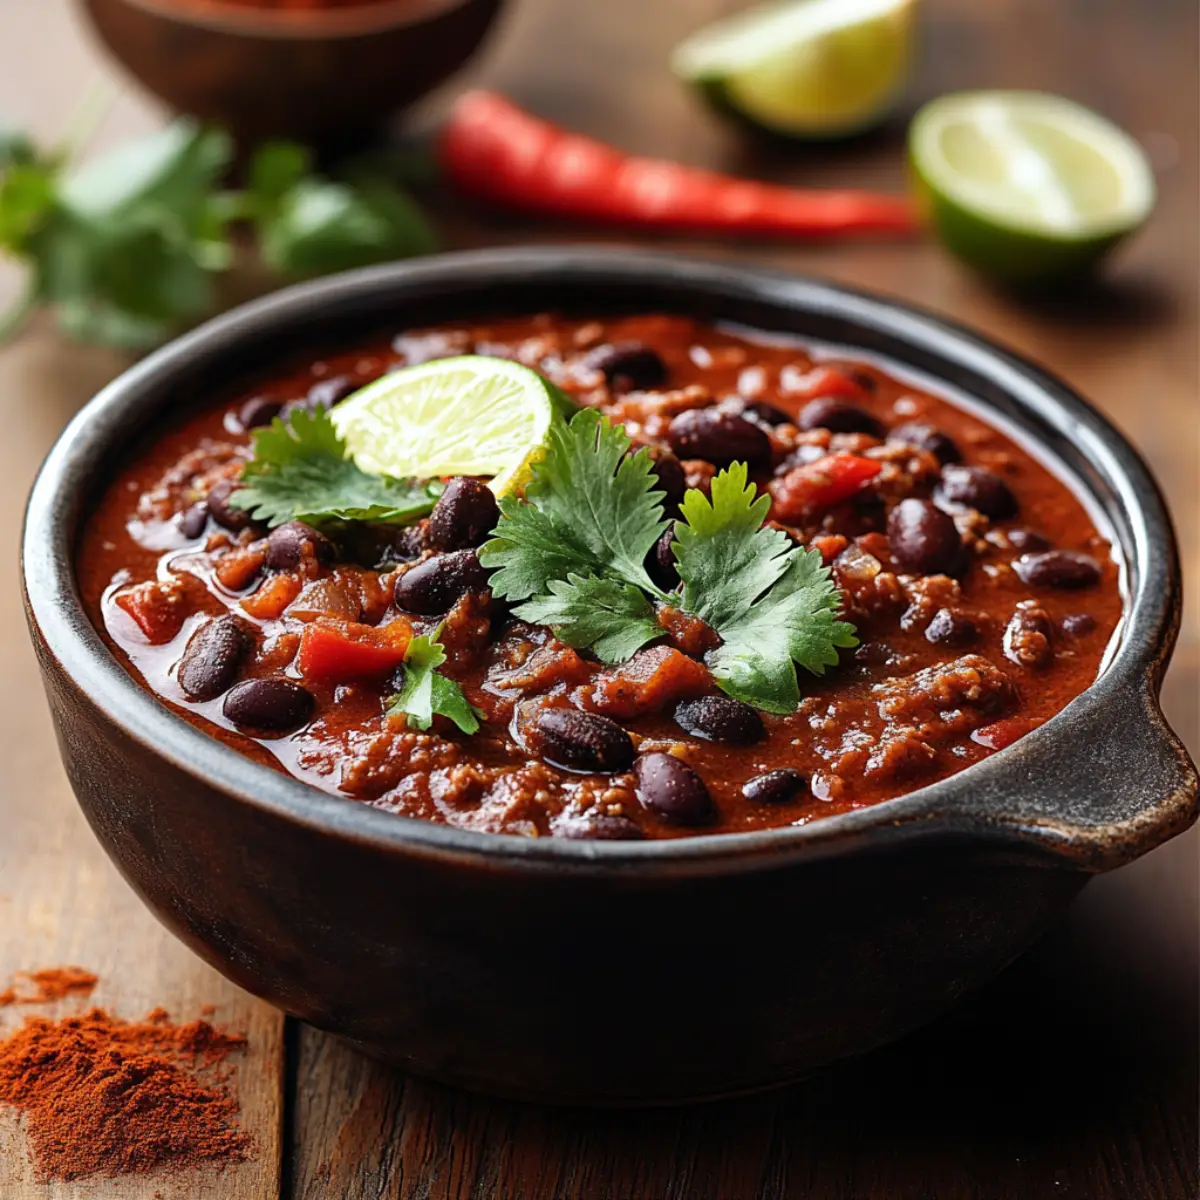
(773, 604)
(573, 550)
(302, 471)
(591, 509)
(426, 691)
(130, 247)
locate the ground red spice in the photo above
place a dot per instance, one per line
(50, 983)
(102, 1096)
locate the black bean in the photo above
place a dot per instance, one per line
(1027, 541)
(1029, 636)
(775, 787)
(214, 654)
(273, 705)
(433, 586)
(718, 437)
(629, 365)
(579, 741)
(1078, 624)
(289, 544)
(323, 394)
(224, 513)
(660, 562)
(720, 719)
(670, 789)
(923, 538)
(466, 512)
(259, 410)
(837, 416)
(193, 521)
(949, 628)
(978, 488)
(1058, 569)
(766, 414)
(410, 542)
(927, 438)
(600, 828)
(670, 474)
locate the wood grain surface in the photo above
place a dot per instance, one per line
(1075, 1074)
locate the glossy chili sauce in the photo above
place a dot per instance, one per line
(982, 593)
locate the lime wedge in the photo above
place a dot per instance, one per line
(804, 68)
(453, 416)
(1027, 188)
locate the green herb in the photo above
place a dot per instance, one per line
(574, 551)
(301, 471)
(771, 602)
(590, 509)
(426, 692)
(128, 248)
(309, 226)
(614, 619)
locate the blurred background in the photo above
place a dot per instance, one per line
(1074, 1075)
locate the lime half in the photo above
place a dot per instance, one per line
(453, 416)
(1026, 187)
(804, 68)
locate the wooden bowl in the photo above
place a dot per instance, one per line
(327, 77)
(609, 972)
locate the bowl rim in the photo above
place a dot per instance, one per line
(360, 20)
(60, 625)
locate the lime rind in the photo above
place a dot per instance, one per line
(803, 68)
(472, 415)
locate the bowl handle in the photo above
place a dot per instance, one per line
(1107, 783)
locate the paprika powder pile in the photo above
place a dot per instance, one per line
(103, 1096)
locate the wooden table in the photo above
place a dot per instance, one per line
(1072, 1076)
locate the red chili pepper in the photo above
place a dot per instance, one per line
(494, 150)
(820, 484)
(333, 651)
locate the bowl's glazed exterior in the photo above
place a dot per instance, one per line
(610, 973)
(329, 77)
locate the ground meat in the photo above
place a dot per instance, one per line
(190, 479)
(968, 682)
(926, 594)
(467, 630)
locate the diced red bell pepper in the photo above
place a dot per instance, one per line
(823, 381)
(820, 485)
(333, 651)
(157, 608)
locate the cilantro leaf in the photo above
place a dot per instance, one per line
(724, 551)
(426, 692)
(773, 604)
(127, 248)
(319, 226)
(611, 618)
(591, 509)
(301, 472)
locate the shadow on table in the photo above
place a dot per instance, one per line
(1073, 1075)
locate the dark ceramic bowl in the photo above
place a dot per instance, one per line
(610, 973)
(329, 77)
